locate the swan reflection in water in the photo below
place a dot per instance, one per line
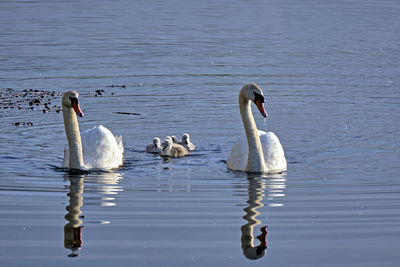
(73, 229)
(100, 183)
(272, 187)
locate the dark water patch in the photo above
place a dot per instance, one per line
(117, 86)
(127, 113)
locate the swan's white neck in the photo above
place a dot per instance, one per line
(74, 139)
(255, 158)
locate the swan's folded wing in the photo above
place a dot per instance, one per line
(274, 155)
(120, 143)
(101, 150)
(237, 160)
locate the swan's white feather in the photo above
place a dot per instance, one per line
(100, 148)
(274, 156)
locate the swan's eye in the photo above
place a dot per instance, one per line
(258, 97)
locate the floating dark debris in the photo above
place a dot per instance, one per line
(120, 86)
(23, 123)
(28, 99)
(99, 92)
(128, 113)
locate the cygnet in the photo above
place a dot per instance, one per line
(186, 142)
(154, 147)
(173, 150)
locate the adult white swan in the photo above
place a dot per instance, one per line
(97, 149)
(262, 151)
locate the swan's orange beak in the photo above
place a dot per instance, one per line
(75, 106)
(260, 105)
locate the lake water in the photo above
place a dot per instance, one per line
(330, 73)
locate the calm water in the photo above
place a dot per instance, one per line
(330, 72)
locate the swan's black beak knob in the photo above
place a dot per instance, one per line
(75, 106)
(259, 101)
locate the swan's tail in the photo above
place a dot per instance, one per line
(120, 143)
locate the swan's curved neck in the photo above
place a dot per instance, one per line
(74, 139)
(255, 159)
